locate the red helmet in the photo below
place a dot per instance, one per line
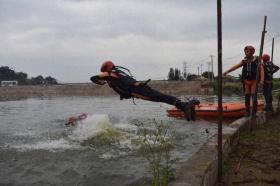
(265, 57)
(249, 47)
(107, 66)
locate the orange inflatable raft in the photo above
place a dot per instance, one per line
(230, 110)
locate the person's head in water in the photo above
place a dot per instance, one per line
(266, 58)
(107, 66)
(249, 51)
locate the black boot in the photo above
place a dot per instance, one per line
(185, 107)
(254, 110)
(247, 105)
(193, 102)
(269, 108)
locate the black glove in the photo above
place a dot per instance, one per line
(97, 80)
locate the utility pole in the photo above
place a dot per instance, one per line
(198, 71)
(254, 109)
(209, 63)
(201, 69)
(212, 74)
(185, 69)
(272, 50)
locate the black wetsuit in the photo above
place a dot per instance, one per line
(126, 87)
(269, 70)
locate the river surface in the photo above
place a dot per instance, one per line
(36, 148)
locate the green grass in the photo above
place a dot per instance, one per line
(230, 88)
(266, 132)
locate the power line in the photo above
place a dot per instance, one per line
(202, 60)
(233, 57)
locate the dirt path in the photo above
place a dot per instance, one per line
(256, 160)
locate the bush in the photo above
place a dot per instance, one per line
(276, 84)
(155, 147)
(230, 88)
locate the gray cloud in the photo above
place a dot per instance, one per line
(69, 39)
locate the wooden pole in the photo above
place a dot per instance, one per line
(220, 92)
(272, 50)
(254, 110)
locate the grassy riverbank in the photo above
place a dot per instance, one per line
(256, 159)
(236, 88)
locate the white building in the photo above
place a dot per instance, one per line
(9, 83)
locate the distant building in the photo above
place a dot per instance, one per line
(9, 83)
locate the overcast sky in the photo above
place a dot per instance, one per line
(69, 39)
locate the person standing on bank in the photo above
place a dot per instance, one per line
(269, 70)
(249, 74)
(127, 87)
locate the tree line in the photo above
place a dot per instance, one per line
(7, 74)
(176, 75)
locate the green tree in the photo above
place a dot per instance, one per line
(171, 74)
(7, 74)
(22, 78)
(207, 74)
(50, 80)
(177, 74)
(191, 77)
(39, 80)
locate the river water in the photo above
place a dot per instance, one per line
(36, 148)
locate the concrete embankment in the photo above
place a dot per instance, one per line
(201, 169)
(168, 87)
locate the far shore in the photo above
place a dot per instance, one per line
(89, 89)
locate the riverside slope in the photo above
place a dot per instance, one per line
(89, 89)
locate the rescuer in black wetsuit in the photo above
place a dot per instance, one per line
(269, 70)
(127, 87)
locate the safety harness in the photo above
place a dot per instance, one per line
(125, 84)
